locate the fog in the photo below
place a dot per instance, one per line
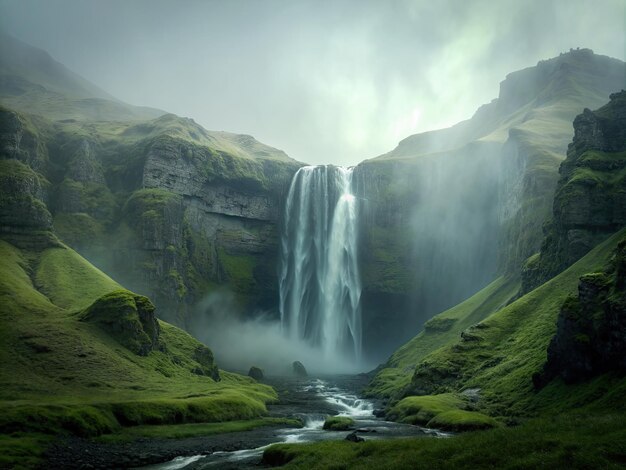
(326, 81)
(240, 341)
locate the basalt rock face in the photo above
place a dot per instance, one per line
(590, 199)
(200, 218)
(24, 218)
(169, 209)
(591, 327)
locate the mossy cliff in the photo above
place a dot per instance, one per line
(590, 199)
(591, 328)
(554, 348)
(452, 210)
(168, 208)
(83, 356)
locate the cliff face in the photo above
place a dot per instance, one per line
(448, 211)
(590, 200)
(171, 215)
(590, 337)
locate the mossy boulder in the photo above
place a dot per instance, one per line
(462, 420)
(204, 357)
(338, 423)
(127, 317)
(256, 373)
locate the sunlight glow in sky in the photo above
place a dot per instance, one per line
(328, 81)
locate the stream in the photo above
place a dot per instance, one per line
(311, 400)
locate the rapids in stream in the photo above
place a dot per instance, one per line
(310, 400)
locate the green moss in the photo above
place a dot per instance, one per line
(64, 376)
(439, 324)
(422, 409)
(387, 268)
(57, 274)
(338, 423)
(91, 198)
(513, 347)
(239, 271)
(568, 441)
(393, 379)
(127, 317)
(180, 431)
(149, 203)
(77, 229)
(461, 420)
(23, 450)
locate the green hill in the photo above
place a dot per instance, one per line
(83, 356)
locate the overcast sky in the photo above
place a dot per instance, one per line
(326, 81)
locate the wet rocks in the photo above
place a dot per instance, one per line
(353, 437)
(299, 369)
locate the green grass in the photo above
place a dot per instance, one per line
(577, 441)
(338, 423)
(61, 375)
(461, 420)
(500, 355)
(420, 410)
(23, 450)
(442, 329)
(70, 281)
(180, 431)
(447, 411)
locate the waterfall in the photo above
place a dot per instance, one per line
(319, 280)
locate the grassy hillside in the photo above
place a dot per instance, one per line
(64, 374)
(489, 371)
(445, 328)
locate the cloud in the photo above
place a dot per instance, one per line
(327, 81)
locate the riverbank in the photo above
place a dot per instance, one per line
(297, 417)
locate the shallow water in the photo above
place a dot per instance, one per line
(311, 400)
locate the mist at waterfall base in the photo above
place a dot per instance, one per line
(240, 341)
(319, 285)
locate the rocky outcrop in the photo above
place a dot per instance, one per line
(128, 318)
(24, 218)
(20, 141)
(590, 199)
(591, 327)
(298, 369)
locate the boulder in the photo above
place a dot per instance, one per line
(353, 437)
(299, 369)
(256, 373)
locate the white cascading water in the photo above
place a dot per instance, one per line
(320, 287)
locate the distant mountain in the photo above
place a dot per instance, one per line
(32, 81)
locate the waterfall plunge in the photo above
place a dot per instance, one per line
(319, 279)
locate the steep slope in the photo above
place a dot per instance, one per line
(170, 209)
(80, 354)
(451, 210)
(590, 199)
(500, 359)
(31, 81)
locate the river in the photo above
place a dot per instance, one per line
(311, 400)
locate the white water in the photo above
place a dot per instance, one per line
(320, 287)
(342, 401)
